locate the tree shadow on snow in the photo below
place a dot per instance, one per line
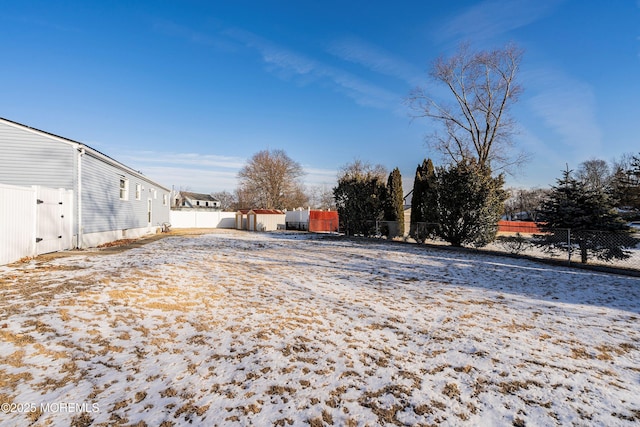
(406, 265)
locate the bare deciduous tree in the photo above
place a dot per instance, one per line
(361, 170)
(227, 200)
(270, 180)
(476, 125)
(524, 203)
(321, 197)
(622, 163)
(595, 174)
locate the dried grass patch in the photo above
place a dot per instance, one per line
(52, 354)
(451, 390)
(48, 267)
(580, 353)
(19, 340)
(386, 413)
(167, 306)
(9, 381)
(512, 387)
(115, 243)
(124, 294)
(15, 359)
(514, 327)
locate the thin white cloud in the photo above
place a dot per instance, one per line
(274, 55)
(288, 64)
(376, 59)
(568, 107)
(361, 92)
(201, 180)
(546, 161)
(491, 18)
(185, 159)
(203, 173)
(175, 30)
(320, 177)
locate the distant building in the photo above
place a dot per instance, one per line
(189, 200)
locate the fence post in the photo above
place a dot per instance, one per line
(569, 247)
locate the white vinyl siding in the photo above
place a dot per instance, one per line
(27, 159)
(30, 157)
(101, 209)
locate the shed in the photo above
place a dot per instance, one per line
(265, 219)
(110, 200)
(241, 219)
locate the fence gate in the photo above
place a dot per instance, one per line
(54, 219)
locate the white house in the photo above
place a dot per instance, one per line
(110, 200)
(189, 200)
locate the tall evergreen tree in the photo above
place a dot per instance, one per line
(360, 197)
(625, 186)
(572, 207)
(394, 209)
(424, 213)
(470, 202)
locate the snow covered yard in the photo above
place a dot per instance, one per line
(292, 329)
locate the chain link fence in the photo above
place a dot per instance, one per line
(616, 249)
(612, 249)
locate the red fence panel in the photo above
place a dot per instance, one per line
(323, 221)
(518, 227)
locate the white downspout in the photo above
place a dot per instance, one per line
(81, 152)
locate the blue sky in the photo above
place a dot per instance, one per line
(186, 91)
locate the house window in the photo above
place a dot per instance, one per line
(155, 194)
(124, 188)
(164, 199)
(198, 203)
(138, 191)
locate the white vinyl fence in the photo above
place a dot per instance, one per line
(297, 219)
(33, 221)
(201, 219)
